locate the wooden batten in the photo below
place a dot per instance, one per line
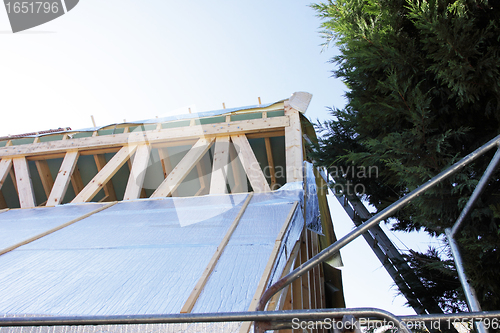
(63, 178)
(193, 297)
(24, 184)
(137, 173)
(76, 181)
(218, 182)
(103, 176)
(180, 172)
(250, 164)
(261, 287)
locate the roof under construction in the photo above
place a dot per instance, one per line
(192, 214)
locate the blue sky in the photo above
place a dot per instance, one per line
(123, 59)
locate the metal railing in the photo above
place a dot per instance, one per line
(388, 212)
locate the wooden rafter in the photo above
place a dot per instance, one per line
(76, 181)
(24, 184)
(193, 297)
(109, 189)
(250, 164)
(182, 169)
(63, 178)
(45, 176)
(171, 134)
(103, 176)
(218, 179)
(137, 173)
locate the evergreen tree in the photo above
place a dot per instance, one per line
(423, 79)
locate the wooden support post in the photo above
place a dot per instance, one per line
(180, 172)
(201, 177)
(137, 173)
(13, 177)
(245, 327)
(193, 297)
(63, 178)
(24, 184)
(218, 182)
(270, 161)
(297, 284)
(239, 178)
(45, 176)
(250, 164)
(5, 167)
(293, 146)
(109, 189)
(108, 171)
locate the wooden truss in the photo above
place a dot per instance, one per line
(139, 144)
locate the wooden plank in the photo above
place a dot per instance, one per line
(24, 184)
(293, 146)
(182, 169)
(5, 167)
(48, 232)
(137, 173)
(170, 134)
(218, 181)
(245, 327)
(270, 161)
(63, 178)
(108, 171)
(193, 297)
(250, 164)
(312, 273)
(45, 176)
(109, 189)
(201, 177)
(76, 181)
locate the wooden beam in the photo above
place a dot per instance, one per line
(5, 167)
(218, 179)
(238, 177)
(63, 178)
(137, 173)
(45, 176)
(109, 189)
(24, 184)
(293, 146)
(250, 164)
(270, 161)
(170, 134)
(48, 232)
(108, 171)
(245, 327)
(182, 169)
(76, 181)
(304, 278)
(193, 297)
